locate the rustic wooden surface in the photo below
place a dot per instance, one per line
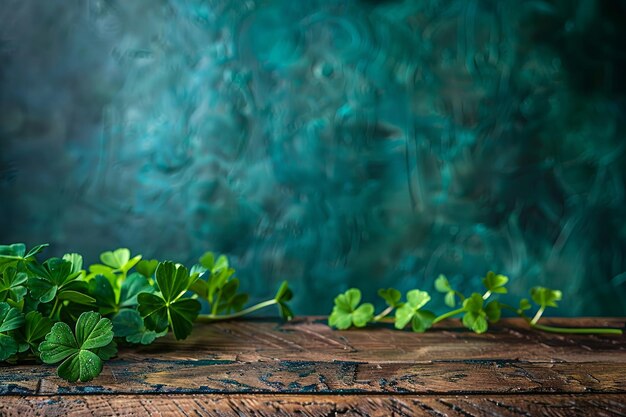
(266, 367)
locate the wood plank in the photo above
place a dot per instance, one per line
(306, 356)
(316, 405)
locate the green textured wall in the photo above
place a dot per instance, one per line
(331, 143)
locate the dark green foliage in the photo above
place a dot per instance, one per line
(40, 304)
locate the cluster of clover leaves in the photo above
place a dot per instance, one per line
(477, 310)
(60, 313)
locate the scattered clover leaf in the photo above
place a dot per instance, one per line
(391, 296)
(12, 285)
(169, 307)
(52, 277)
(495, 283)
(347, 312)
(475, 317)
(284, 295)
(129, 325)
(147, 267)
(420, 320)
(545, 297)
(81, 354)
(443, 285)
(36, 328)
(10, 319)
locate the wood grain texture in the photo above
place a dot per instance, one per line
(306, 356)
(267, 367)
(168, 405)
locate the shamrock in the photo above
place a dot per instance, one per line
(36, 327)
(54, 278)
(10, 319)
(476, 314)
(545, 297)
(169, 308)
(82, 354)
(391, 296)
(495, 283)
(111, 301)
(11, 285)
(283, 295)
(347, 311)
(129, 325)
(15, 253)
(421, 320)
(443, 285)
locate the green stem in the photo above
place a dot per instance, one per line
(207, 318)
(576, 330)
(486, 295)
(383, 313)
(537, 316)
(54, 307)
(216, 304)
(448, 314)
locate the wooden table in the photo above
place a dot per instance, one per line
(269, 368)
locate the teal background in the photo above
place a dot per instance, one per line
(331, 143)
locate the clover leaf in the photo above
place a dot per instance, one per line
(12, 254)
(81, 354)
(283, 295)
(477, 314)
(147, 267)
(119, 259)
(443, 285)
(347, 311)
(129, 324)
(391, 296)
(169, 308)
(10, 319)
(110, 301)
(52, 277)
(35, 329)
(420, 320)
(11, 285)
(545, 297)
(495, 283)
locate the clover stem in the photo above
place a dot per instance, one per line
(460, 295)
(448, 314)
(576, 330)
(537, 316)
(54, 308)
(383, 313)
(216, 304)
(207, 318)
(486, 295)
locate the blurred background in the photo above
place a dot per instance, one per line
(331, 143)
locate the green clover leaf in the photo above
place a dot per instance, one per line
(36, 328)
(495, 283)
(147, 267)
(524, 304)
(442, 285)
(81, 354)
(15, 253)
(282, 297)
(545, 297)
(168, 308)
(10, 319)
(391, 296)
(52, 277)
(474, 313)
(11, 285)
(119, 259)
(129, 324)
(347, 311)
(110, 301)
(421, 320)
